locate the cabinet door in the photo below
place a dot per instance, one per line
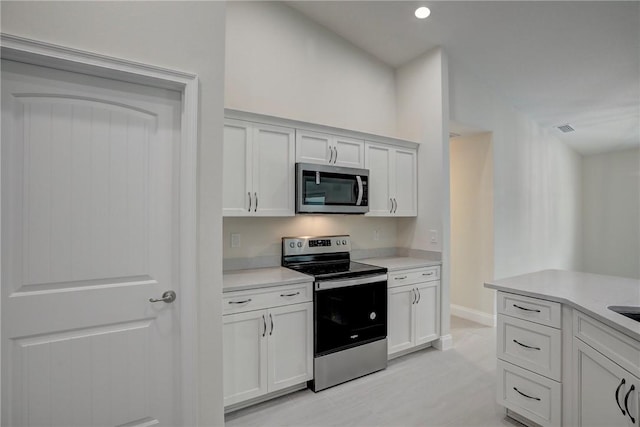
(349, 152)
(236, 169)
(313, 147)
(600, 391)
(427, 313)
(378, 161)
(290, 345)
(273, 171)
(406, 182)
(400, 317)
(244, 356)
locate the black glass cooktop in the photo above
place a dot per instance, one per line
(336, 270)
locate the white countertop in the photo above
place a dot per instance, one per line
(399, 262)
(261, 277)
(589, 293)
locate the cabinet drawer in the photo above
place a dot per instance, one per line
(409, 277)
(533, 309)
(530, 395)
(620, 348)
(258, 299)
(530, 345)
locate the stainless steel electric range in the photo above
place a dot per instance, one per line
(349, 306)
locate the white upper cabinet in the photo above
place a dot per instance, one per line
(393, 180)
(321, 148)
(258, 169)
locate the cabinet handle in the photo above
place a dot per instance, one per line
(400, 278)
(264, 321)
(413, 294)
(428, 274)
(249, 194)
(526, 309)
(271, 319)
(626, 403)
(240, 302)
(419, 296)
(526, 395)
(395, 202)
(526, 346)
(256, 208)
(330, 154)
(391, 201)
(618, 400)
(336, 159)
(290, 295)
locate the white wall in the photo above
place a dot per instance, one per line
(472, 226)
(537, 182)
(611, 209)
(262, 236)
(279, 62)
(179, 35)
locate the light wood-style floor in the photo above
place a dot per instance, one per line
(427, 388)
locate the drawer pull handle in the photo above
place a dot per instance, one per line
(400, 278)
(240, 302)
(526, 346)
(618, 400)
(526, 395)
(626, 403)
(526, 309)
(428, 274)
(290, 295)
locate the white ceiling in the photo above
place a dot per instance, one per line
(559, 62)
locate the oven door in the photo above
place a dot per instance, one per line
(349, 313)
(331, 189)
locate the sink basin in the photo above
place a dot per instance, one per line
(632, 312)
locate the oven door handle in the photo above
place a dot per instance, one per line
(360, 190)
(332, 284)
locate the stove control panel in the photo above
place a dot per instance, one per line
(315, 245)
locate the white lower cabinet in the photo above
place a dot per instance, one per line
(606, 394)
(266, 350)
(413, 310)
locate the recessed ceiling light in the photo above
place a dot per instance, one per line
(422, 12)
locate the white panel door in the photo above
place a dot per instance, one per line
(89, 234)
(427, 313)
(400, 318)
(290, 345)
(405, 183)
(378, 161)
(313, 147)
(237, 199)
(603, 390)
(244, 350)
(349, 152)
(273, 170)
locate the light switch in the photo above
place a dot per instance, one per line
(235, 240)
(433, 236)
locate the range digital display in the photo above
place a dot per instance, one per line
(319, 242)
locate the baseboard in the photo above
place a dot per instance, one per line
(473, 315)
(443, 343)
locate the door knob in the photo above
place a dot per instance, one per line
(168, 297)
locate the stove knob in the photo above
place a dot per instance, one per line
(299, 244)
(292, 245)
(338, 242)
(344, 242)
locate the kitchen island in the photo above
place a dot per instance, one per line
(565, 358)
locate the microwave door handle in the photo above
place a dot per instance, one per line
(360, 190)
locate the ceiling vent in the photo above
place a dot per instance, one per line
(565, 128)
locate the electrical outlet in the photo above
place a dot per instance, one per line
(235, 240)
(376, 235)
(433, 236)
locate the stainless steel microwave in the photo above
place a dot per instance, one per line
(329, 189)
